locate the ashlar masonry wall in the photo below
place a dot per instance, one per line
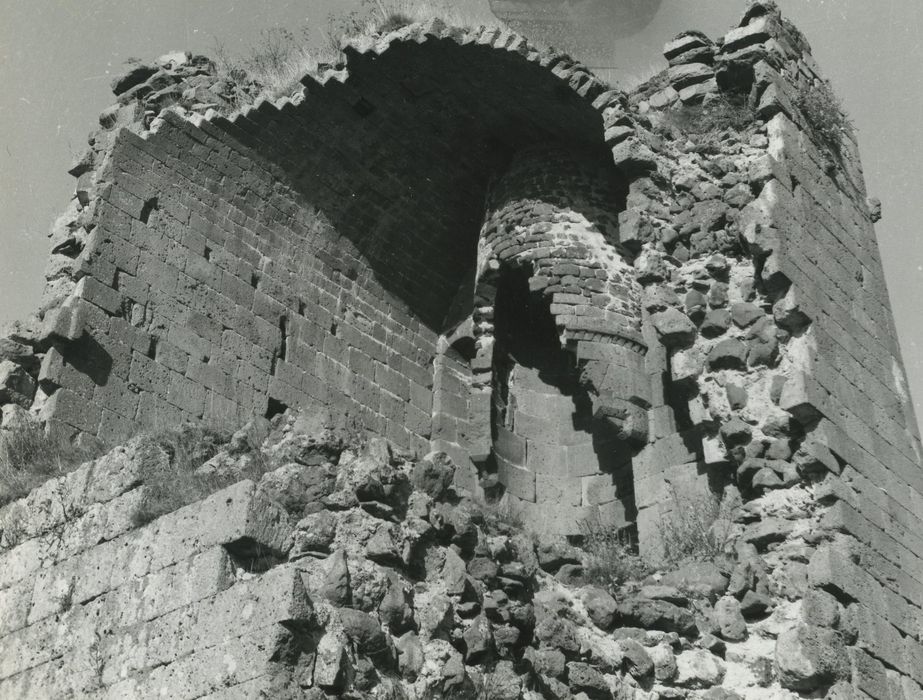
(717, 293)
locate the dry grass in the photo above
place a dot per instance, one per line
(499, 518)
(29, 458)
(612, 556)
(825, 116)
(708, 124)
(281, 57)
(174, 483)
(698, 528)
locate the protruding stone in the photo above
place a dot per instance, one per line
(698, 578)
(697, 668)
(336, 586)
(808, 657)
(735, 432)
(675, 329)
(601, 607)
(664, 662)
(730, 353)
(744, 314)
(731, 623)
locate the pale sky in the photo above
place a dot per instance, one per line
(58, 56)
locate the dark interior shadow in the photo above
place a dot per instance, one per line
(88, 357)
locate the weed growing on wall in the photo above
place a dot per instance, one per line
(710, 123)
(612, 556)
(825, 116)
(29, 457)
(276, 63)
(177, 481)
(698, 528)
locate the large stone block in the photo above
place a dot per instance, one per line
(238, 517)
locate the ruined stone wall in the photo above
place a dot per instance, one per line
(218, 294)
(702, 248)
(789, 371)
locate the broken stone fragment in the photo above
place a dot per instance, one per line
(730, 353)
(664, 660)
(675, 329)
(683, 76)
(763, 343)
(331, 662)
(715, 323)
(697, 578)
(735, 432)
(313, 534)
(655, 614)
(808, 657)
(295, 485)
(583, 677)
(766, 531)
(16, 385)
(600, 606)
(433, 474)
(546, 662)
(478, 640)
(730, 621)
(396, 608)
(874, 207)
(744, 313)
(820, 609)
(695, 303)
(686, 366)
(135, 75)
(659, 298)
(689, 47)
(697, 668)
(788, 314)
(636, 660)
(718, 295)
(335, 587)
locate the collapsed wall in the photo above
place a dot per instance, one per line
(616, 307)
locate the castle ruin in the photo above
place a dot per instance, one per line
(597, 306)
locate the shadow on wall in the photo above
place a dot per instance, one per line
(398, 158)
(542, 421)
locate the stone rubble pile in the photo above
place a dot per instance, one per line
(378, 577)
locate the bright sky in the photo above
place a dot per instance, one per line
(58, 56)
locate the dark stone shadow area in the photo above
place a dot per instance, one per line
(398, 158)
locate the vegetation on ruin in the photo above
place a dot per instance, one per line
(281, 57)
(612, 557)
(699, 528)
(825, 116)
(178, 481)
(29, 458)
(708, 124)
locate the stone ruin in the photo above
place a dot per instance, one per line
(600, 307)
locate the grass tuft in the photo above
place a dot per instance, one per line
(708, 124)
(699, 528)
(612, 556)
(29, 458)
(273, 67)
(177, 481)
(825, 116)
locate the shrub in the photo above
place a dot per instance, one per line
(697, 529)
(612, 556)
(824, 115)
(29, 457)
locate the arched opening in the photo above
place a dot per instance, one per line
(558, 465)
